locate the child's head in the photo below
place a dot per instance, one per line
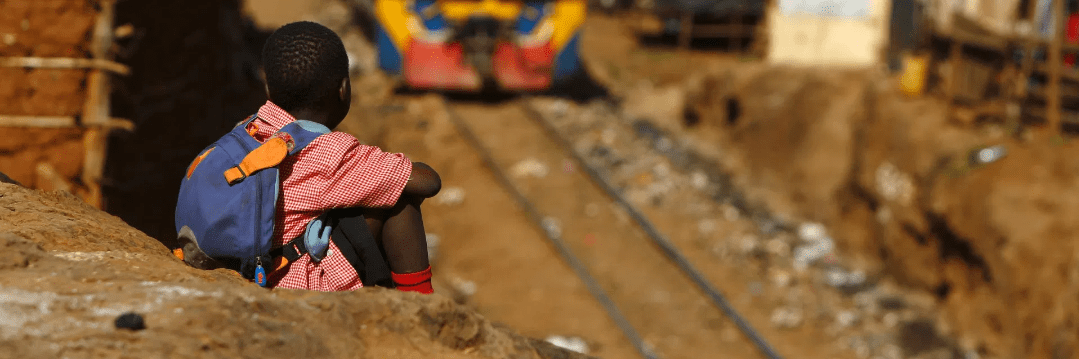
(307, 72)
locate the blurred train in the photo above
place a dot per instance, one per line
(467, 45)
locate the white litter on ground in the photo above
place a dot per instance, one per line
(569, 343)
(450, 196)
(529, 167)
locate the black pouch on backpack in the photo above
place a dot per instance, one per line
(353, 237)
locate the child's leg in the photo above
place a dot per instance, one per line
(404, 238)
(401, 235)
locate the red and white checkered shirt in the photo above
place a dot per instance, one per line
(333, 171)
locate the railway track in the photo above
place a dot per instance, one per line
(607, 256)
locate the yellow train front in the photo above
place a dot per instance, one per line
(464, 45)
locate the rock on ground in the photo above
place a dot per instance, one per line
(67, 271)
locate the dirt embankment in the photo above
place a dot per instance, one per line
(893, 179)
(68, 271)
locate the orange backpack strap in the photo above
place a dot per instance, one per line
(269, 154)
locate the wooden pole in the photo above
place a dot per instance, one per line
(94, 144)
(37, 121)
(956, 59)
(1056, 58)
(59, 122)
(685, 34)
(64, 63)
(95, 114)
(1020, 90)
(1028, 44)
(1026, 68)
(762, 32)
(47, 175)
(735, 39)
(1022, 86)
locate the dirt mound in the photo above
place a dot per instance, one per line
(894, 180)
(70, 270)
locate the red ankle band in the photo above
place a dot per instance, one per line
(414, 282)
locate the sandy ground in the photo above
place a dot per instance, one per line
(70, 270)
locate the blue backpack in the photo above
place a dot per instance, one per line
(225, 211)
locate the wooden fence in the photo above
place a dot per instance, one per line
(1033, 86)
(95, 120)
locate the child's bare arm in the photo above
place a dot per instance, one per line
(424, 181)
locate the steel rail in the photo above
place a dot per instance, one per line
(552, 235)
(664, 244)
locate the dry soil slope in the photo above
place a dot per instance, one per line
(68, 270)
(890, 175)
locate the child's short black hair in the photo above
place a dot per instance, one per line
(304, 62)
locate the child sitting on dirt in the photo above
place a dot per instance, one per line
(336, 179)
(307, 77)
